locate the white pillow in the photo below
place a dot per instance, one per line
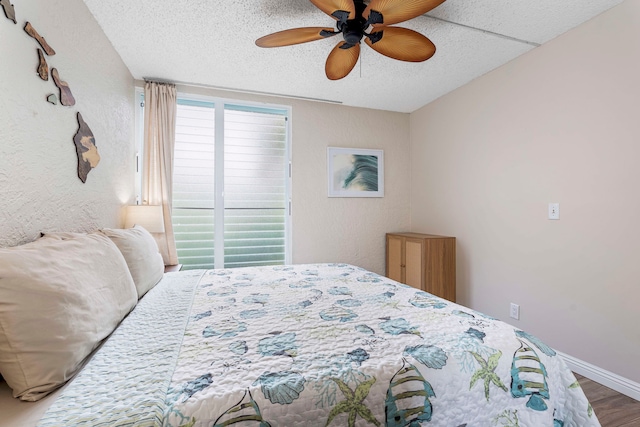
(140, 250)
(59, 298)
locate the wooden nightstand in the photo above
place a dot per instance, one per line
(172, 268)
(424, 261)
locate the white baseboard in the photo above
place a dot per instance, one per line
(606, 378)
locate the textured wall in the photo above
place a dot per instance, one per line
(39, 186)
(559, 124)
(350, 230)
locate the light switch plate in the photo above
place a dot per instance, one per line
(514, 311)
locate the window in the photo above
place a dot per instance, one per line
(231, 184)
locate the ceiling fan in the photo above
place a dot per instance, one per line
(358, 19)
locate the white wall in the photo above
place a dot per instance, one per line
(39, 186)
(559, 124)
(350, 230)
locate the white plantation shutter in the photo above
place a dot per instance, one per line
(255, 162)
(194, 185)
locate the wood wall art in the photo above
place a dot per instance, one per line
(66, 98)
(43, 68)
(9, 10)
(86, 150)
(33, 33)
(88, 157)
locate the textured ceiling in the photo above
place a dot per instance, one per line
(212, 43)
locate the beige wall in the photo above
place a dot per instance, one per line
(560, 124)
(39, 186)
(349, 230)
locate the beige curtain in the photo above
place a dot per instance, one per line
(159, 140)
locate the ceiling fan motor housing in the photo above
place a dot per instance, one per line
(352, 35)
(354, 29)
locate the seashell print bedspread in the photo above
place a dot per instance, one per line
(318, 345)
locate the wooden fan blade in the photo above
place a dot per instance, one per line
(401, 43)
(330, 7)
(395, 11)
(295, 36)
(341, 61)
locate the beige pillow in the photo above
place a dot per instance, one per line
(140, 250)
(59, 298)
(61, 235)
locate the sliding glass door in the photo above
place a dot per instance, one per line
(231, 184)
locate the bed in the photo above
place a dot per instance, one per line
(315, 345)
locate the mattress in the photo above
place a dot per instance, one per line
(316, 345)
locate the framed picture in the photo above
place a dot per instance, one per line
(355, 172)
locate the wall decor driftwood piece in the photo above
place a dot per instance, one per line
(53, 99)
(88, 157)
(43, 68)
(33, 33)
(66, 97)
(9, 10)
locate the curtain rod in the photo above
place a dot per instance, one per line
(247, 91)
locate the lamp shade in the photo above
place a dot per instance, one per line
(148, 216)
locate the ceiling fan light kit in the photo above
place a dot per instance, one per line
(356, 20)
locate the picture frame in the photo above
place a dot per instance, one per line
(355, 172)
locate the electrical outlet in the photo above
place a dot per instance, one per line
(554, 210)
(514, 311)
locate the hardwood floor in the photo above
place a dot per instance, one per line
(612, 408)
